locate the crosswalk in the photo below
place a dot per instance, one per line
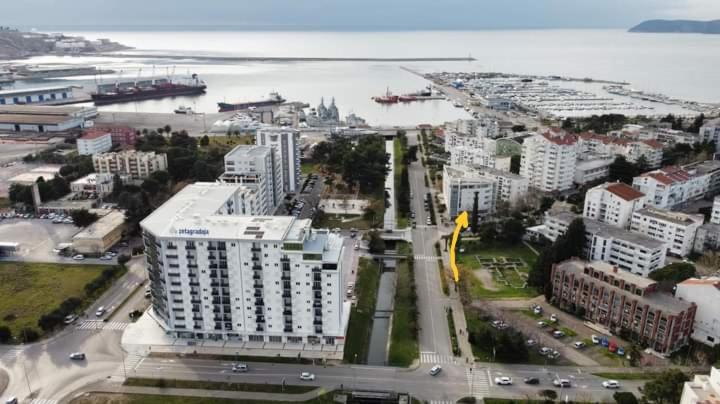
(441, 402)
(427, 257)
(43, 401)
(434, 358)
(132, 361)
(478, 382)
(101, 325)
(11, 354)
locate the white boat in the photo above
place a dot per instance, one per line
(184, 110)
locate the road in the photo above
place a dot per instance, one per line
(434, 336)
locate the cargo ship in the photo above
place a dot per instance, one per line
(273, 99)
(388, 98)
(146, 90)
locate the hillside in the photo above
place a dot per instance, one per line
(17, 44)
(678, 26)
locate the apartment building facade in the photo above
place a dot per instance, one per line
(705, 294)
(671, 187)
(628, 305)
(287, 142)
(218, 275)
(676, 229)
(549, 159)
(130, 164)
(461, 184)
(259, 167)
(613, 203)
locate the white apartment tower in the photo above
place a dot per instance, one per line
(548, 160)
(287, 142)
(613, 203)
(217, 275)
(130, 164)
(260, 167)
(676, 229)
(461, 184)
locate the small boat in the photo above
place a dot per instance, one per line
(184, 110)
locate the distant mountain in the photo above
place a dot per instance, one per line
(678, 26)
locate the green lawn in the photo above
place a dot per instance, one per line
(361, 315)
(403, 339)
(467, 262)
(110, 398)
(29, 290)
(309, 168)
(231, 141)
(4, 203)
(209, 385)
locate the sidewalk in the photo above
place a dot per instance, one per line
(115, 387)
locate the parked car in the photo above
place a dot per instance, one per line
(562, 383)
(595, 339)
(435, 370)
(148, 293)
(544, 351)
(558, 334)
(579, 345)
(307, 376)
(503, 381)
(100, 311)
(620, 351)
(532, 380)
(106, 257)
(240, 368)
(78, 257)
(553, 318)
(542, 324)
(70, 318)
(537, 310)
(77, 356)
(531, 342)
(611, 384)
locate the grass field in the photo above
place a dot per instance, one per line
(403, 339)
(208, 385)
(467, 262)
(109, 398)
(29, 290)
(231, 141)
(361, 315)
(309, 168)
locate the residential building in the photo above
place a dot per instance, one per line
(612, 146)
(703, 389)
(707, 238)
(100, 236)
(671, 187)
(287, 142)
(257, 166)
(676, 229)
(705, 293)
(613, 203)
(710, 132)
(591, 170)
(217, 275)
(94, 143)
(129, 164)
(709, 169)
(461, 184)
(510, 188)
(548, 160)
(715, 216)
(94, 183)
(627, 304)
(631, 252)
(124, 137)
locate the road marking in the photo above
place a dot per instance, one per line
(43, 401)
(434, 358)
(101, 325)
(427, 257)
(11, 354)
(441, 402)
(478, 382)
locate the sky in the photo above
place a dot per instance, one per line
(351, 14)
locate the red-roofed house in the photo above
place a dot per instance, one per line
(549, 159)
(593, 144)
(670, 187)
(122, 136)
(613, 203)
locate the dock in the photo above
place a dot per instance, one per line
(283, 58)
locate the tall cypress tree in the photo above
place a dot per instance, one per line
(474, 220)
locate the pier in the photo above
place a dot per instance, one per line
(283, 58)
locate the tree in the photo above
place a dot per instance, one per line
(83, 218)
(515, 164)
(665, 388)
(674, 273)
(117, 185)
(513, 230)
(474, 219)
(150, 186)
(572, 243)
(548, 394)
(376, 245)
(487, 231)
(624, 397)
(622, 170)
(204, 141)
(634, 355)
(28, 334)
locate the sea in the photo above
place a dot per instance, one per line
(678, 65)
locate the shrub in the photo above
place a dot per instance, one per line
(123, 259)
(5, 334)
(28, 334)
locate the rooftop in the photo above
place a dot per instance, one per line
(39, 110)
(35, 90)
(671, 216)
(623, 191)
(560, 137)
(94, 135)
(464, 173)
(707, 281)
(102, 226)
(606, 231)
(247, 151)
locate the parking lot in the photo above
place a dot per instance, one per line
(37, 238)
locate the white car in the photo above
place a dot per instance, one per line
(106, 257)
(611, 384)
(240, 368)
(307, 376)
(78, 257)
(100, 311)
(435, 370)
(562, 383)
(503, 381)
(558, 334)
(553, 318)
(77, 356)
(579, 345)
(70, 318)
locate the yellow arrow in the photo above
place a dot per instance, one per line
(461, 222)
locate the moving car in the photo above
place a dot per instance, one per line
(78, 257)
(531, 380)
(70, 318)
(77, 356)
(562, 383)
(611, 384)
(100, 311)
(307, 376)
(503, 381)
(240, 368)
(435, 370)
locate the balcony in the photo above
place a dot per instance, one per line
(259, 302)
(287, 312)
(255, 249)
(259, 312)
(259, 329)
(285, 278)
(257, 268)
(317, 304)
(257, 276)
(260, 319)
(258, 286)
(258, 294)
(288, 329)
(286, 294)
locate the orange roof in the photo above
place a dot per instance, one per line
(560, 138)
(94, 134)
(653, 143)
(707, 281)
(624, 191)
